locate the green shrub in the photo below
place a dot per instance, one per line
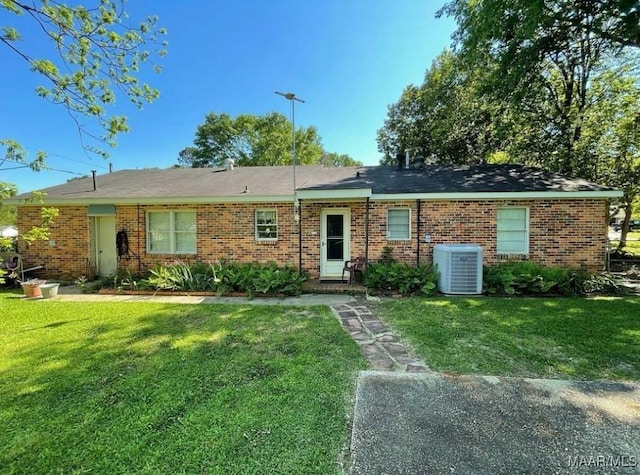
(513, 278)
(603, 282)
(391, 277)
(267, 279)
(386, 256)
(529, 278)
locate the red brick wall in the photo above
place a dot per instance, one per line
(66, 256)
(224, 232)
(562, 232)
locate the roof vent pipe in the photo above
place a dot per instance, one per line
(406, 159)
(400, 158)
(93, 174)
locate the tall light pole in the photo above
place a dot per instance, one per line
(291, 97)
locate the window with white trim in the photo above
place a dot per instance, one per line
(171, 232)
(398, 224)
(266, 225)
(513, 231)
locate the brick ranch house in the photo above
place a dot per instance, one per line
(249, 215)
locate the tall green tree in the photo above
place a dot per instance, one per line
(447, 119)
(612, 136)
(252, 140)
(547, 53)
(96, 54)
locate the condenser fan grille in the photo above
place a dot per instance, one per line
(460, 268)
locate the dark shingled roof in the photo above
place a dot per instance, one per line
(278, 181)
(460, 179)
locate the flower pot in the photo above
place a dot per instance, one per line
(49, 290)
(31, 288)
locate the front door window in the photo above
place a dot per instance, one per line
(335, 237)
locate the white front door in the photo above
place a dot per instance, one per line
(335, 229)
(106, 260)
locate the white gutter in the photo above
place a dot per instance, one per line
(344, 194)
(493, 195)
(248, 198)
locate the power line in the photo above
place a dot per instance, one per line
(44, 167)
(93, 164)
(15, 168)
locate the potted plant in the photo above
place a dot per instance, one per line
(31, 288)
(49, 290)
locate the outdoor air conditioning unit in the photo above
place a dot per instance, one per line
(460, 268)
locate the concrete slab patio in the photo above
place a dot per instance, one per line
(428, 423)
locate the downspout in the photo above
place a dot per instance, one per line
(418, 203)
(366, 231)
(139, 239)
(300, 236)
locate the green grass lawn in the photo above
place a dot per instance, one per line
(632, 245)
(583, 339)
(158, 388)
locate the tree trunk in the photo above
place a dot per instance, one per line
(624, 229)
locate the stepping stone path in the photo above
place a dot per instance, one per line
(376, 340)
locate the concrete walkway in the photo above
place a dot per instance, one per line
(379, 345)
(72, 293)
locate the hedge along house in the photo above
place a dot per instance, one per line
(134, 219)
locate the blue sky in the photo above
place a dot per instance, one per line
(349, 59)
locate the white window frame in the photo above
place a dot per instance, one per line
(389, 238)
(172, 231)
(524, 231)
(273, 227)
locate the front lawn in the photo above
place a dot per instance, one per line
(632, 245)
(159, 388)
(570, 338)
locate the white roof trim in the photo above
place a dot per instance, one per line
(493, 195)
(334, 194)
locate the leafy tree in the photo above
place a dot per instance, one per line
(252, 140)
(445, 120)
(546, 53)
(39, 232)
(7, 213)
(95, 55)
(612, 135)
(337, 160)
(404, 127)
